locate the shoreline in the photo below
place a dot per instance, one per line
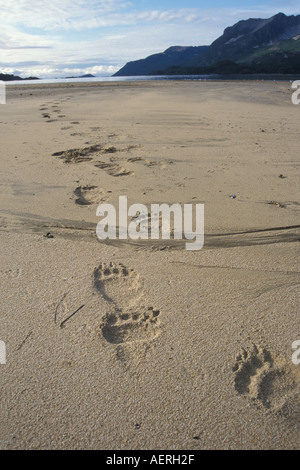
(118, 81)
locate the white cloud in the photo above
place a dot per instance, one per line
(56, 14)
(77, 15)
(71, 37)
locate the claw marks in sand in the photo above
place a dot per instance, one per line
(269, 381)
(135, 325)
(117, 284)
(129, 319)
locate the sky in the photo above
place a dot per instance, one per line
(58, 38)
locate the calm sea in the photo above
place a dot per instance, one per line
(158, 77)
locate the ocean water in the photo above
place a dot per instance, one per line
(158, 77)
(114, 79)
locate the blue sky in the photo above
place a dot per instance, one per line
(56, 38)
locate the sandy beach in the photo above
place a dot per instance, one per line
(129, 344)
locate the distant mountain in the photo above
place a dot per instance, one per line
(88, 75)
(174, 56)
(243, 40)
(250, 46)
(5, 77)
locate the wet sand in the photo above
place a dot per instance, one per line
(143, 344)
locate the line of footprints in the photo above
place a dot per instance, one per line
(266, 379)
(260, 376)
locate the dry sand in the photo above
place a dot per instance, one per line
(146, 345)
